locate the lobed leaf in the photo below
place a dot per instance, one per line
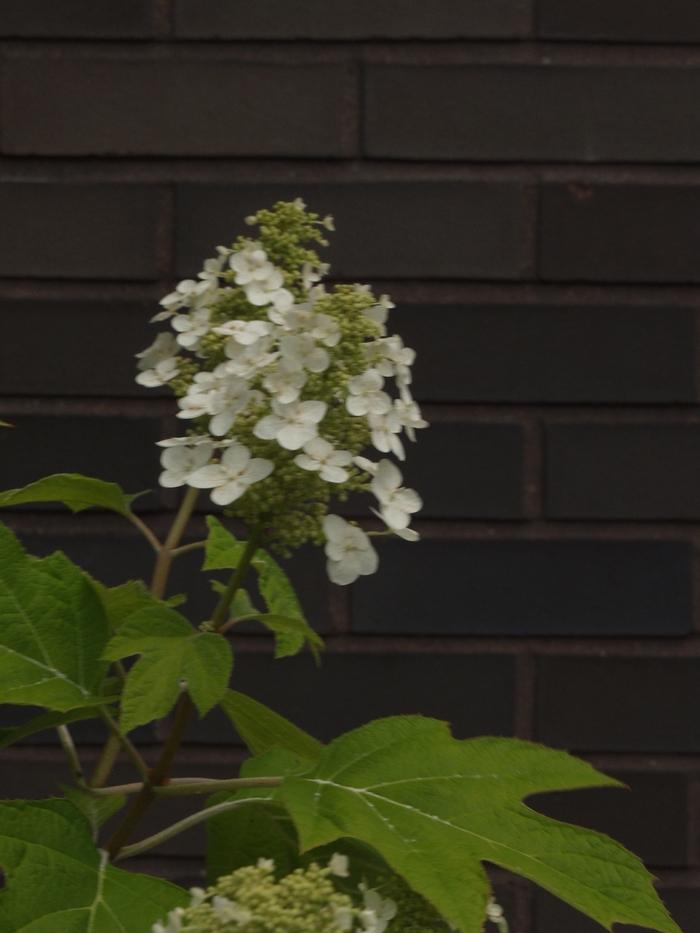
(58, 882)
(224, 552)
(76, 491)
(435, 808)
(262, 729)
(96, 810)
(53, 632)
(172, 653)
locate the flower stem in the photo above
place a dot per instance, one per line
(152, 841)
(165, 555)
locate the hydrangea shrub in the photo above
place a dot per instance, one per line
(293, 397)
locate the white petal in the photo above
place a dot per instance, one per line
(395, 518)
(312, 412)
(356, 405)
(222, 423)
(306, 462)
(258, 469)
(333, 474)
(341, 573)
(208, 476)
(269, 427)
(170, 479)
(368, 561)
(229, 492)
(294, 436)
(236, 457)
(334, 527)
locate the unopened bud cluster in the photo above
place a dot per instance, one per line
(284, 386)
(252, 900)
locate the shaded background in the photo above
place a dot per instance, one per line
(524, 183)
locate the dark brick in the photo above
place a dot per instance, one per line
(84, 19)
(620, 233)
(361, 19)
(466, 470)
(134, 106)
(619, 704)
(633, 471)
(554, 916)
(412, 230)
(88, 231)
(41, 445)
(650, 819)
(474, 693)
(535, 353)
(75, 347)
(620, 20)
(538, 113)
(527, 588)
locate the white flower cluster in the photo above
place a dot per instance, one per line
(279, 366)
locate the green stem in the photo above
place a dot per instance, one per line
(125, 743)
(165, 555)
(106, 761)
(187, 548)
(220, 616)
(152, 841)
(182, 787)
(145, 531)
(66, 740)
(185, 707)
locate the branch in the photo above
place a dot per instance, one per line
(152, 841)
(182, 787)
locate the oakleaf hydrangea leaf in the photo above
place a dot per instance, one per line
(262, 729)
(53, 633)
(76, 491)
(58, 882)
(435, 808)
(172, 652)
(224, 552)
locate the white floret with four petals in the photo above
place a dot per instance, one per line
(231, 477)
(349, 551)
(322, 457)
(292, 424)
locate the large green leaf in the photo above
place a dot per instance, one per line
(58, 882)
(53, 630)
(172, 652)
(435, 808)
(76, 491)
(285, 616)
(262, 729)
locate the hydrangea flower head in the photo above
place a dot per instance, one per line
(286, 386)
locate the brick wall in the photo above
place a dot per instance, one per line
(525, 183)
